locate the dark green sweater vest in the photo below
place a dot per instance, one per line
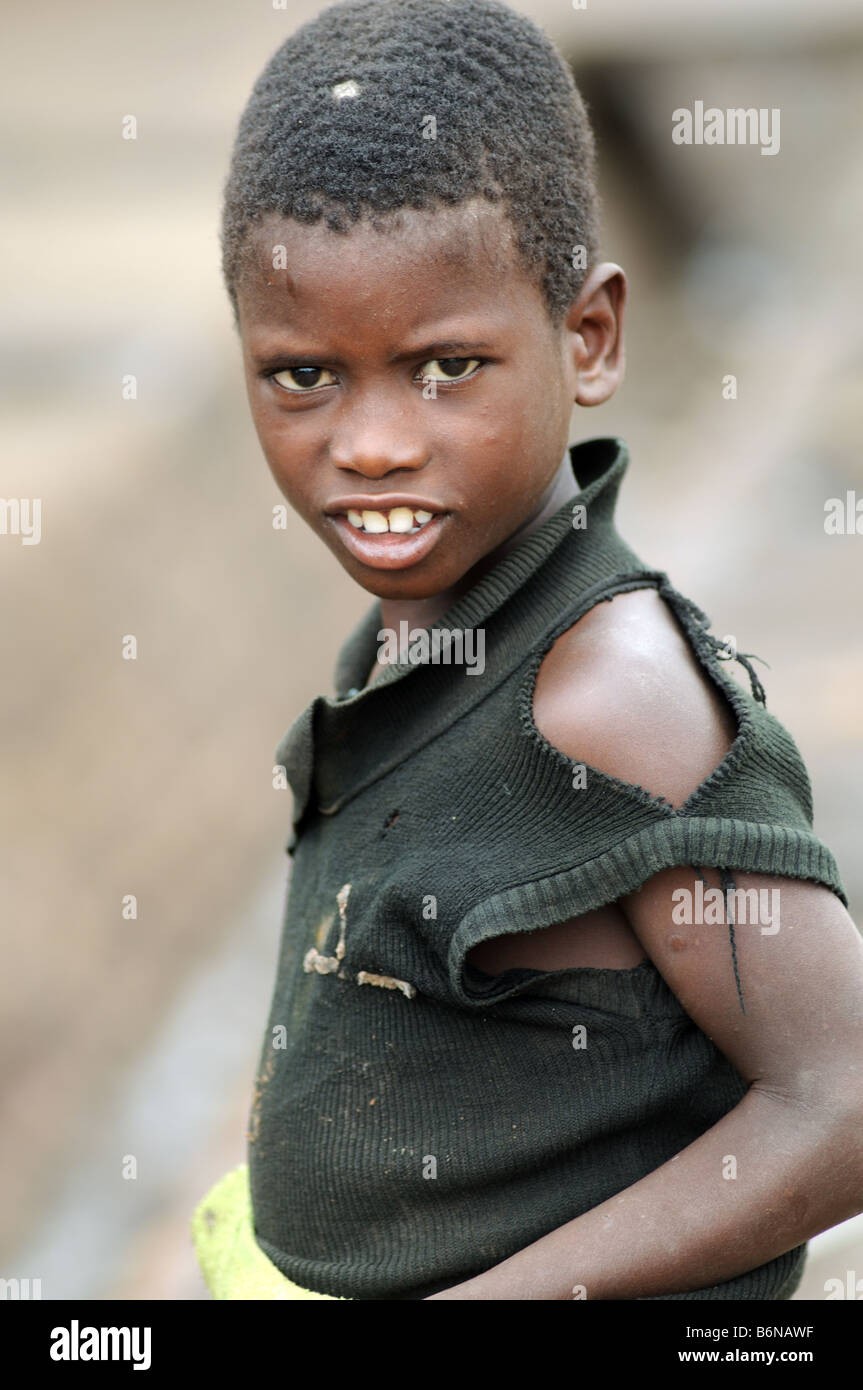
(415, 1120)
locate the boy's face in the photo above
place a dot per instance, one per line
(338, 351)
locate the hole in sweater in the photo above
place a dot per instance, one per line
(602, 939)
(624, 693)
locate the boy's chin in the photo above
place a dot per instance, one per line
(394, 585)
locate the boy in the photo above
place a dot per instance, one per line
(538, 1029)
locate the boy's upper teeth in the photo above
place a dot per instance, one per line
(395, 519)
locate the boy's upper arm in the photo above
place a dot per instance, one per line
(802, 1033)
(624, 693)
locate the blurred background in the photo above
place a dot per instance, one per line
(153, 777)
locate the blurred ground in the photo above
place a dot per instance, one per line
(152, 777)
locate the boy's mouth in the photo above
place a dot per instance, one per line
(404, 521)
(387, 536)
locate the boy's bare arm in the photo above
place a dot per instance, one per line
(785, 1163)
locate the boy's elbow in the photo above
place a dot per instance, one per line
(831, 1094)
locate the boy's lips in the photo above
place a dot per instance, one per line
(390, 550)
(381, 502)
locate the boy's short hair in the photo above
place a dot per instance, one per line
(334, 129)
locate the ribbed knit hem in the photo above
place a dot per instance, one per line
(777, 1280)
(675, 841)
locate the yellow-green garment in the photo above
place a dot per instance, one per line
(231, 1261)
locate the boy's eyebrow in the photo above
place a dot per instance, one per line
(439, 346)
(430, 350)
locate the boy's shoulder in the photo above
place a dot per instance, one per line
(622, 691)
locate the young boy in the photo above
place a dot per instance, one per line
(568, 998)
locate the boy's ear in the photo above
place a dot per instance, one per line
(595, 326)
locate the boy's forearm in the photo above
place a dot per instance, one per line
(799, 1171)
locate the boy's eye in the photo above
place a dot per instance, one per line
(307, 378)
(452, 367)
(301, 378)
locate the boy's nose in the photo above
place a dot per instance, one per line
(374, 453)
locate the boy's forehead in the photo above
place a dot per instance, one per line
(470, 244)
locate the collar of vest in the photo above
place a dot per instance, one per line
(339, 745)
